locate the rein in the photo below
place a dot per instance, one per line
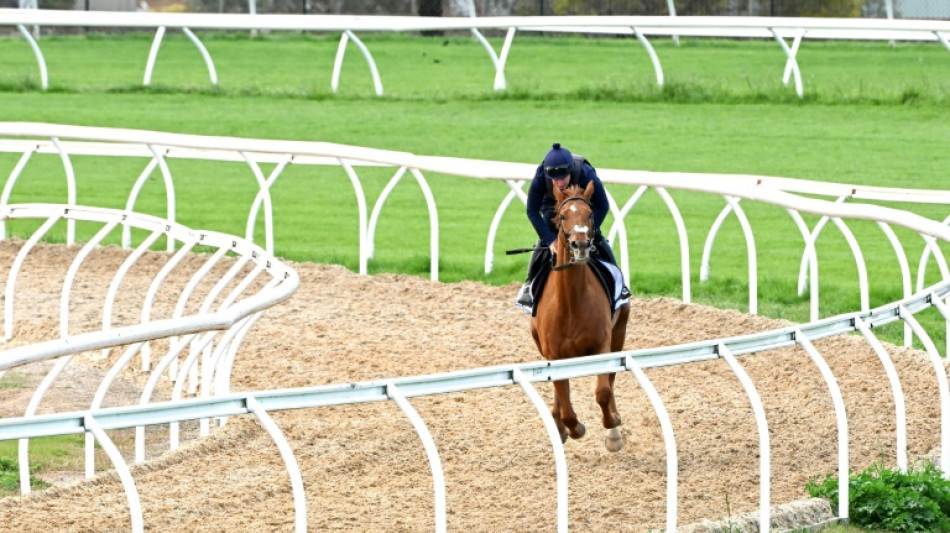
(571, 262)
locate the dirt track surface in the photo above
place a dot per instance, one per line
(365, 469)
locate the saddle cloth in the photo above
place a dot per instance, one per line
(611, 279)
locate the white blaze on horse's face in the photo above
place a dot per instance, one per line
(580, 243)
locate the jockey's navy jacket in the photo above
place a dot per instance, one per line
(542, 205)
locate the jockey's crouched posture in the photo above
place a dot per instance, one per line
(562, 169)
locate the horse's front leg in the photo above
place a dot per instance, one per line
(563, 412)
(608, 406)
(556, 415)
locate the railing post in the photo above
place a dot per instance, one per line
(560, 462)
(435, 463)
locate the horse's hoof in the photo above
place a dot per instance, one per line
(579, 431)
(614, 440)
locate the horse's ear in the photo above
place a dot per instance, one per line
(589, 191)
(559, 195)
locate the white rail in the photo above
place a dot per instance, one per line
(231, 315)
(402, 389)
(197, 332)
(69, 142)
(778, 29)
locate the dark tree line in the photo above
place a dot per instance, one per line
(778, 8)
(438, 8)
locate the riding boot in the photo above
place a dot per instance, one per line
(606, 254)
(525, 298)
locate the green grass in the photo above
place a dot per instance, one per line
(453, 67)
(10, 477)
(873, 114)
(12, 380)
(56, 452)
(47, 453)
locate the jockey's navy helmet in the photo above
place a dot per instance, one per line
(558, 162)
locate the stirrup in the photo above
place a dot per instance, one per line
(524, 296)
(625, 293)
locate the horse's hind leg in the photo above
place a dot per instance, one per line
(563, 411)
(608, 406)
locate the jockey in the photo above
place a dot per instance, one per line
(562, 169)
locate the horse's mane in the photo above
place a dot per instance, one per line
(573, 191)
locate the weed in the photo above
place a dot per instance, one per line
(12, 381)
(880, 498)
(10, 477)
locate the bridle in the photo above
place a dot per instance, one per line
(560, 226)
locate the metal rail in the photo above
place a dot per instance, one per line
(402, 389)
(69, 142)
(642, 27)
(211, 336)
(231, 315)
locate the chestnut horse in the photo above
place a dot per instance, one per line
(574, 315)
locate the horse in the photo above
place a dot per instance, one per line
(574, 316)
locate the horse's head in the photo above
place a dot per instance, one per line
(575, 221)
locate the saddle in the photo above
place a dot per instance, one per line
(611, 279)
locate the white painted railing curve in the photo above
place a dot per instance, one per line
(70, 142)
(772, 28)
(636, 361)
(229, 317)
(197, 333)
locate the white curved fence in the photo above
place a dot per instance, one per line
(779, 29)
(789, 195)
(260, 403)
(202, 343)
(156, 148)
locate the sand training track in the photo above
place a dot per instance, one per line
(364, 467)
